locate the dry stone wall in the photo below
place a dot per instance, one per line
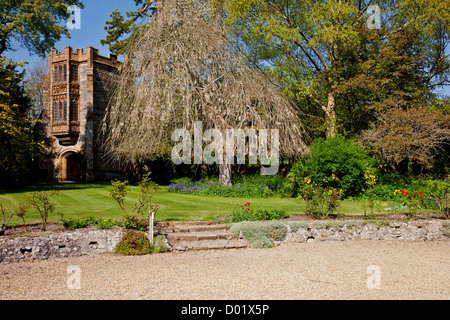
(65, 244)
(411, 231)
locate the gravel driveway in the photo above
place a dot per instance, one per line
(325, 270)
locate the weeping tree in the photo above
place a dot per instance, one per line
(180, 68)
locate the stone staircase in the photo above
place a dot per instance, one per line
(199, 235)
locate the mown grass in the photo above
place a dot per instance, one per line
(93, 200)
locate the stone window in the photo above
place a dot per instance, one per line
(55, 111)
(64, 73)
(55, 74)
(65, 111)
(60, 113)
(74, 111)
(73, 73)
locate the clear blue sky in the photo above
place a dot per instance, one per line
(93, 18)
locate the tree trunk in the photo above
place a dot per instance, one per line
(330, 116)
(225, 175)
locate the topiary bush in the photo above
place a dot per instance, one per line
(334, 164)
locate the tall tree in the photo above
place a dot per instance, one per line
(16, 140)
(181, 68)
(34, 24)
(329, 58)
(121, 28)
(34, 88)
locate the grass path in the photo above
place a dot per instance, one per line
(93, 199)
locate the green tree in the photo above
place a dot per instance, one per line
(122, 28)
(33, 24)
(334, 65)
(16, 139)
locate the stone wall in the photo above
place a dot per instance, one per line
(65, 244)
(270, 233)
(341, 231)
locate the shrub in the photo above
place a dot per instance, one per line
(320, 202)
(136, 223)
(75, 223)
(134, 242)
(143, 209)
(270, 214)
(105, 223)
(334, 163)
(42, 202)
(260, 234)
(440, 193)
(246, 213)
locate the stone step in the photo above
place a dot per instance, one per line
(187, 223)
(209, 245)
(195, 236)
(192, 228)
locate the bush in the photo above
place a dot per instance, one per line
(134, 242)
(319, 202)
(75, 223)
(78, 223)
(334, 163)
(136, 223)
(246, 213)
(260, 234)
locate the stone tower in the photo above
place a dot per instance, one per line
(74, 104)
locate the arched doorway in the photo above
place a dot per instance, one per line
(70, 167)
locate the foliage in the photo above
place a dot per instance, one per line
(260, 234)
(334, 163)
(338, 69)
(181, 68)
(136, 223)
(119, 191)
(21, 212)
(34, 88)
(134, 242)
(42, 202)
(246, 213)
(440, 192)
(142, 209)
(413, 135)
(256, 186)
(320, 202)
(33, 24)
(120, 29)
(79, 223)
(16, 136)
(5, 220)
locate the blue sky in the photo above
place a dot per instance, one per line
(93, 18)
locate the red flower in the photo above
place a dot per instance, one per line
(416, 194)
(406, 193)
(421, 193)
(402, 191)
(248, 209)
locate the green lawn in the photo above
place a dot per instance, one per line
(93, 200)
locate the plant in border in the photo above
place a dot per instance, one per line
(42, 202)
(440, 191)
(320, 202)
(139, 220)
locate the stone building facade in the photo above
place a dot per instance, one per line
(74, 105)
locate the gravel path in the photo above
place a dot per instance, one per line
(326, 270)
